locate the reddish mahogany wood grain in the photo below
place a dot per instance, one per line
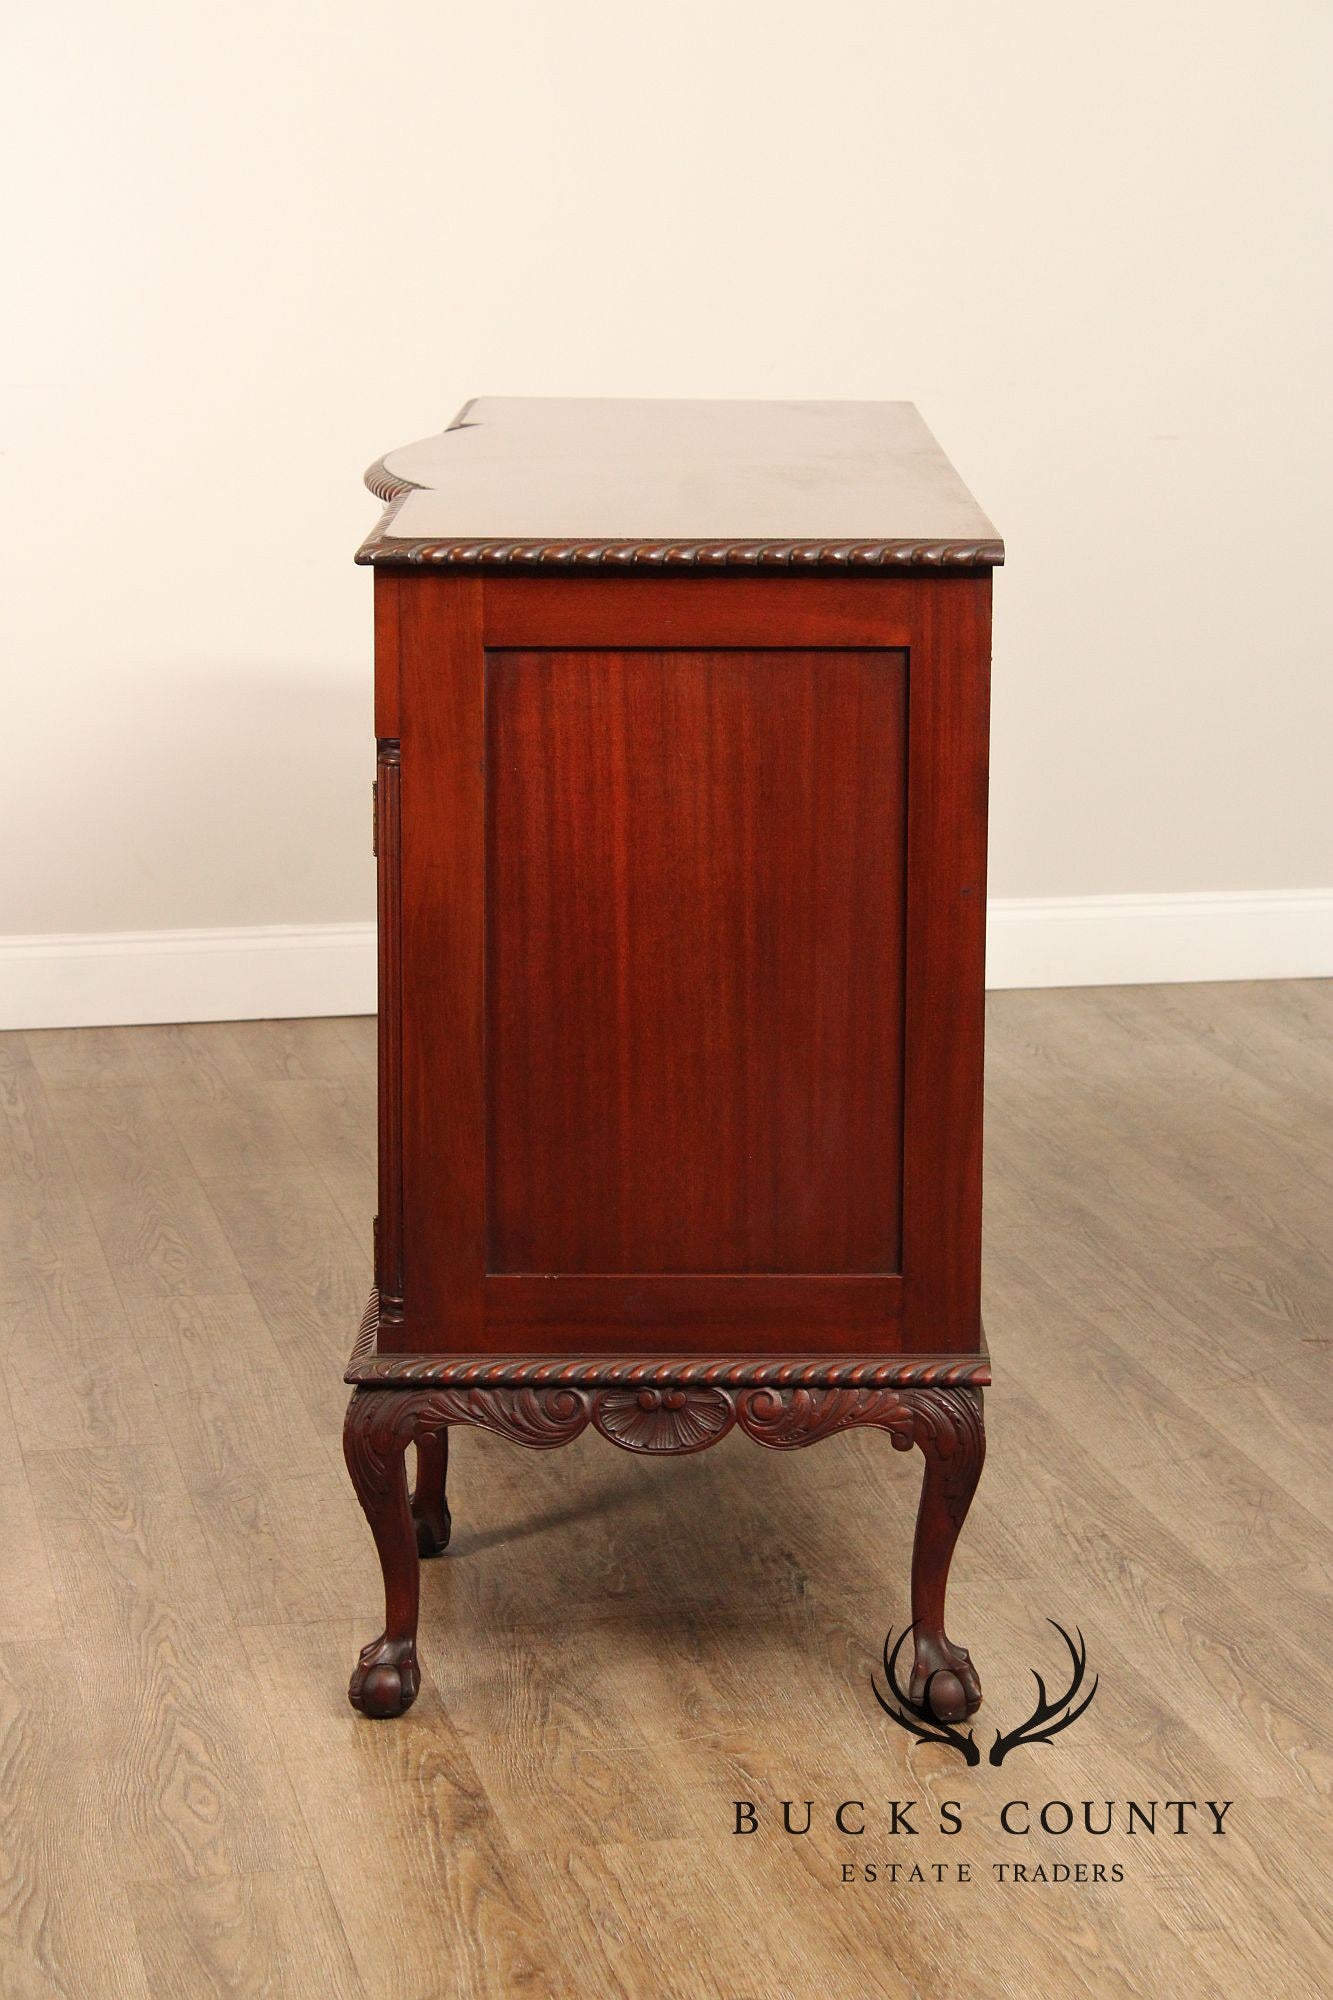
(694, 960)
(389, 1222)
(682, 851)
(443, 1039)
(387, 650)
(452, 863)
(699, 611)
(948, 724)
(701, 1314)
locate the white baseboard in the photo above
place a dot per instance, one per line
(1159, 940)
(269, 972)
(286, 971)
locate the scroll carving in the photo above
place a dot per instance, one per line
(673, 1421)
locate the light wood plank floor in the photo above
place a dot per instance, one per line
(616, 1650)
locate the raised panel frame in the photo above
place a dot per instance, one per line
(433, 631)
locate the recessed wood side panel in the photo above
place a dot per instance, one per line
(694, 960)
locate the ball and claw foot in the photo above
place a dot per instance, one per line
(386, 1677)
(433, 1528)
(944, 1679)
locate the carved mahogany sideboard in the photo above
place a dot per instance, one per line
(681, 825)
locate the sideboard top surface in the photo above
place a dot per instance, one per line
(549, 483)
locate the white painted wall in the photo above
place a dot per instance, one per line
(254, 246)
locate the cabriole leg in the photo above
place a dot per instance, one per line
(380, 1424)
(948, 1426)
(430, 1508)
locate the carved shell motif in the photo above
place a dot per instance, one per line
(668, 1420)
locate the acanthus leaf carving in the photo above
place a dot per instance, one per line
(677, 1419)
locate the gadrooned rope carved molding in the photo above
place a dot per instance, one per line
(382, 546)
(388, 486)
(944, 1422)
(367, 1369)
